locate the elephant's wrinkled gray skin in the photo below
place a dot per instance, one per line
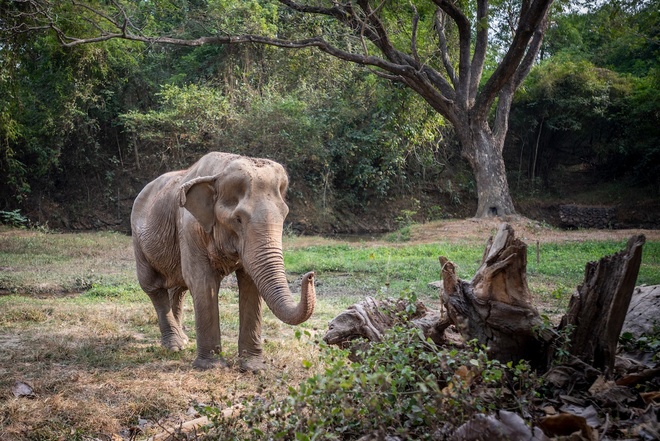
(193, 227)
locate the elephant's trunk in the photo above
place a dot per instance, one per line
(265, 265)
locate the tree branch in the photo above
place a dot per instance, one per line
(363, 19)
(530, 20)
(336, 12)
(413, 38)
(380, 38)
(444, 50)
(438, 101)
(501, 124)
(102, 15)
(464, 37)
(532, 52)
(479, 57)
(506, 94)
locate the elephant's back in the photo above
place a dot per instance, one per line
(157, 199)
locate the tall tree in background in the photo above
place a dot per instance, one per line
(437, 48)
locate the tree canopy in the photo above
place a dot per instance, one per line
(77, 119)
(408, 43)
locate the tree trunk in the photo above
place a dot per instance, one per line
(598, 309)
(484, 154)
(496, 306)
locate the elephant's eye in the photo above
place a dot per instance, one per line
(238, 220)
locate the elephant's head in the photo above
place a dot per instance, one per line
(242, 209)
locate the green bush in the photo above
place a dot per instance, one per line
(13, 218)
(404, 385)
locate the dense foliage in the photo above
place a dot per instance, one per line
(88, 121)
(82, 129)
(593, 104)
(403, 386)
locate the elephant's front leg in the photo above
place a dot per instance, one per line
(204, 291)
(250, 351)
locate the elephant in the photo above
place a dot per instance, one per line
(191, 228)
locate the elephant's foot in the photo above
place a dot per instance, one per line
(183, 337)
(209, 363)
(252, 363)
(175, 341)
(209, 359)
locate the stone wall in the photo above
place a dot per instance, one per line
(584, 216)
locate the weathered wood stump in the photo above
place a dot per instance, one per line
(597, 310)
(496, 306)
(496, 309)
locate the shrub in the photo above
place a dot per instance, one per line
(404, 385)
(13, 218)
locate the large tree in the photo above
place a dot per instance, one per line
(439, 48)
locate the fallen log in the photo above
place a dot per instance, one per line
(496, 309)
(190, 429)
(371, 318)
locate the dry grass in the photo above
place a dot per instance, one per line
(97, 370)
(94, 361)
(38, 263)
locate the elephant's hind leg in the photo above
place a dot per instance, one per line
(169, 313)
(172, 335)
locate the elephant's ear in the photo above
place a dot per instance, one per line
(198, 196)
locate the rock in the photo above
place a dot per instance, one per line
(21, 389)
(643, 317)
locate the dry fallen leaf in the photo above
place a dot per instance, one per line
(638, 377)
(550, 410)
(566, 424)
(601, 385)
(589, 413)
(504, 426)
(465, 374)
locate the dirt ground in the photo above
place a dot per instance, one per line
(473, 230)
(528, 230)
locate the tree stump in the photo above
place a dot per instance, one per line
(597, 310)
(496, 306)
(496, 309)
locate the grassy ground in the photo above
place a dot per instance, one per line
(75, 326)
